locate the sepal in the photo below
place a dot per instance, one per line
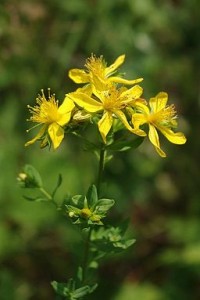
(30, 178)
(88, 210)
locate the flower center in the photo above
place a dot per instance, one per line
(165, 117)
(111, 100)
(46, 110)
(96, 66)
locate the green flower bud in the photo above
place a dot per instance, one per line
(85, 213)
(95, 218)
(30, 178)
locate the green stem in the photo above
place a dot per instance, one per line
(87, 243)
(47, 195)
(86, 255)
(101, 168)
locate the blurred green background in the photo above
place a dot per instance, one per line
(39, 42)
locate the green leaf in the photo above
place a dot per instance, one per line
(80, 274)
(73, 209)
(60, 288)
(92, 196)
(124, 145)
(110, 240)
(124, 244)
(85, 290)
(78, 200)
(78, 293)
(36, 199)
(103, 205)
(34, 179)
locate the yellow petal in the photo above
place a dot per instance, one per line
(86, 89)
(159, 102)
(37, 137)
(86, 102)
(56, 134)
(173, 137)
(138, 120)
(118, 62)
(78, 76)
(65, 111)
(118, 79)
(133, 93)
(67, 105)
(105, 125)
(123, 118)
(98, 83)
(154, 139)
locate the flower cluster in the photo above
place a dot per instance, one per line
(104, 98)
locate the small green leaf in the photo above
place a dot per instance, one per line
(92, 196)
(124, 244)
(123, 145)
(78, 293)
(36, 199)
(73, 209)
(78, 200)
(103, 205)
(60, 288)
(33, 177)
(80, 274)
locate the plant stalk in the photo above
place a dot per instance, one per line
(101, 168)
(87, 243)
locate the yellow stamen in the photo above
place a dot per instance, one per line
(96, 66)
(46, 110)
(165, 116)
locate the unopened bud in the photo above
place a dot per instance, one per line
(85, 213)
(71, 214)
(81, 116)
(22, 177)
(95, 218)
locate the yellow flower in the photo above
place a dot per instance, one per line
(112, 102)
(51, 117)
(159, 116)
(99, 75)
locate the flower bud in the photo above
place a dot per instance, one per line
(85, 213)
(30, 178)
(71, 214)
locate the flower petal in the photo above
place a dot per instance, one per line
(56, 133)
(158, 102)
(118, 79)
(78, 76)
(173, 137)
(86, 89)
(133, 93)
(37, 137)
(86, 102)
(154, 139)
(67, 105)
(98, 83)
(123, 118)
(118, 62)
(138, 120)
(105, 125)
(65, 111)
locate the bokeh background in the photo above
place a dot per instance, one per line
(39, 42)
